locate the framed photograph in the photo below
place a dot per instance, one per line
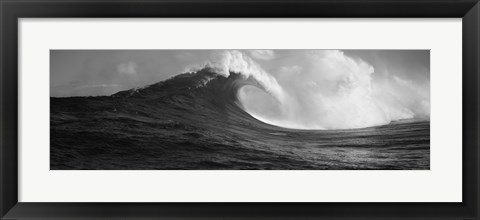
(201, 109)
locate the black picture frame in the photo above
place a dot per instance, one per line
(12, 10)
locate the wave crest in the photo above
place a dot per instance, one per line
(329, 91)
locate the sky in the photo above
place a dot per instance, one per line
(104, 72)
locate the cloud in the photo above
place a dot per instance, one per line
(129, 68)
(262, 54)
(185, 56)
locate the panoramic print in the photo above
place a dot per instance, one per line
(235, 109)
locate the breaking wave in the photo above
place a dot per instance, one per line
(333, 92)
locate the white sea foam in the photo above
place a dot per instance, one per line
(329, 91)
(225, 62)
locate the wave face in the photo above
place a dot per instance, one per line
(200, 120)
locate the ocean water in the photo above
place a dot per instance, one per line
(194, 121)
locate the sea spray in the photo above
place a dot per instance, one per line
(330, 90)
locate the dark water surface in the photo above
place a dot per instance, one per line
(194, 121)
